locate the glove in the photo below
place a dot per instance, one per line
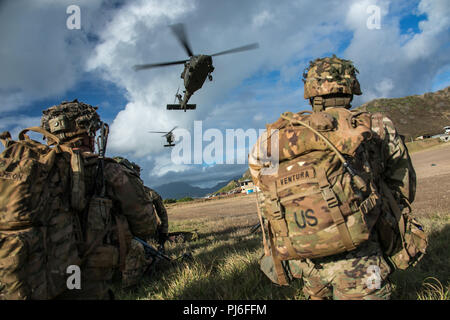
(162, 238)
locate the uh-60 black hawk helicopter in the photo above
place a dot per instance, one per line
(170, 137)
(196, 69)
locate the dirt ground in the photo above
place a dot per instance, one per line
(433, 184)
(433, 180)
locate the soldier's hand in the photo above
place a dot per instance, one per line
(162, 238)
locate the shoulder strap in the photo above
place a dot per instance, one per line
(395, 209)
(261, 222)
(5, 138)
(45, 133)
(282, 280)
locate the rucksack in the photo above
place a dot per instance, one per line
(38, 228)
(320, 203)
(326, 197)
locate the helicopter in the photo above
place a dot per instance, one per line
(196, 69)
(170, 137)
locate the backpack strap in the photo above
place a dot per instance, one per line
(123, 248)
(335, 211)
(45, 133)
(282, 280)
(395, 209)
(5, 138)
(278, 221)
(78, 199)
(261, 222)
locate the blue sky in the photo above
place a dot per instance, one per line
(44, 63)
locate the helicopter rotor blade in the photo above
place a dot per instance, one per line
(238, 49)
(154, 65)
(172, 129)
(179, 31)
(158, 132)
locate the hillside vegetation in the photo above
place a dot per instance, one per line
(415, 115)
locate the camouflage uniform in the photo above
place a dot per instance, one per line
(154, 197)
(136, 262)
(136, 265)
(163, 223)
(330, 82)
(131, 214)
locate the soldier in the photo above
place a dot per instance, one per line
(136, 263)
(111, 204)
(324, 201)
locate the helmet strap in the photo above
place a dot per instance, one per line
(318, 104)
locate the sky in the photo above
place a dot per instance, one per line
(399, 47)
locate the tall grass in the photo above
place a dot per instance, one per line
(225, 266)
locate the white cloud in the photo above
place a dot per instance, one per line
(39, 56)
(249, 89)
(261, 19)
(392, 64)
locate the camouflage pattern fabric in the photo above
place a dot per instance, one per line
(125, 210)
(358, 275)
(163, 225)
(130, 201)
(344, 276)
(397, 169)
(135, 266)
(155, 198)
(71, 119)
(126, 190)
(38, 239)
(314, 189)
(330, 75)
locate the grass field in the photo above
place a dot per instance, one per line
(419, 145)
(225, 255)
(225, 266)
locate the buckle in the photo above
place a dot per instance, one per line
(368, 204)
(329, 197)
(276, 209)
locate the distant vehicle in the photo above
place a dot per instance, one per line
(447, 130)
(196, 69)
(170, 137)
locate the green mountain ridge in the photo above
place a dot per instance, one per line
(415, 115)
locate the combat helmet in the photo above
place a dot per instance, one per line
(70, 120)
(328, 79)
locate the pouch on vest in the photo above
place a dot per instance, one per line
(402, 237)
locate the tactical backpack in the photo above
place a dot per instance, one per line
(322, 200)
(47, 222)
(38, 233)
(325, 197)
